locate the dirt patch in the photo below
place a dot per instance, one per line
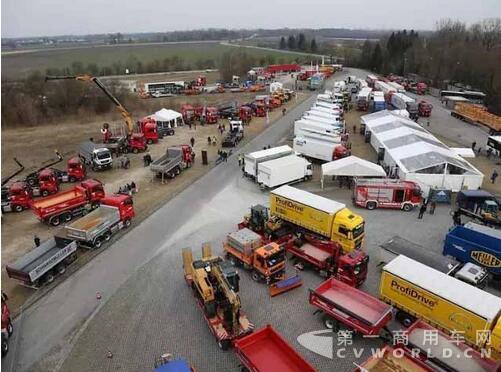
(18, 229)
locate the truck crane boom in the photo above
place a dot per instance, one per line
(123, 111)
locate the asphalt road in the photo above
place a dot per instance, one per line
(146, 308)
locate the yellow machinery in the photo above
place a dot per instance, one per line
(123, 111)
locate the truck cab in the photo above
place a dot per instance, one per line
(19, 197)
(211, 115)
(149, 129)
(348, 229)
(245, 114)
(101, 158)
(124, 204)
(94, 190)
(136, 143)
(76, 170)
(340, 152)
(269, 261)
(48, 182)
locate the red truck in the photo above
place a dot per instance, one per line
(245, 114)
(359, 311)
(290, 67)
(266, 350)
(424, 108)
(7, 328)
(63, 206)
(18, 197)
(372, 193)
(148, 128)
(188, 113)
(305, 75)
(419, 88)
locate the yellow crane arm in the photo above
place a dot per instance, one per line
(123, 111)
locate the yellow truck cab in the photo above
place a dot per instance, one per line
(418, 291)
(318, 214)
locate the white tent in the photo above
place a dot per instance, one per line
(351, 166)
(173, 118)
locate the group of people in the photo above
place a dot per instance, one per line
(424, 207)
(212, 140)
(128, 188)
(221, 128)
(222, 156)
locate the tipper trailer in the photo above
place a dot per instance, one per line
(65, 205)
(252, 160)
(266, 350)
(418, 291)
(318, 215)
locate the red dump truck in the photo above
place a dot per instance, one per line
(65, 205)
(341, 303)
(266, 350)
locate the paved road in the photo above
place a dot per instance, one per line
(52, 323)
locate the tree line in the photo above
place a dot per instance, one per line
(298, 43)
(453, 53)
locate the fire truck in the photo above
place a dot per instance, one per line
(386, 193)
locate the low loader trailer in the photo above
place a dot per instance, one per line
(215, 285)
(266, 350)
(175, 160)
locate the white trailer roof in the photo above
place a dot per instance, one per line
(307, 198)
(268, 152)
(404, 97)
(281, 162)
(465, 295)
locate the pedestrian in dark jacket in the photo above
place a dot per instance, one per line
(36, 239)
(192, 141)
(422, 211)
(433, 205)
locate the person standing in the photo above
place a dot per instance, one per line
(433, 205)
(422, 211)
(473, 145)
(428, 123)
(494, 175)
(36, 239)
(192, 141)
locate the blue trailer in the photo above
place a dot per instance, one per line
(477, 244)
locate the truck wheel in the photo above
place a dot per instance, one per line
(31, 181)
(61, 268)
(10, 328)
(371, 206)
(405, 319)
(127, 223)
(55, 221)
(18, 208)
(45, 193)
(72, 179)
(407, 207)
(107, 236)
(255, 276)
(67, 217)
(97, 243)
(233, 260)
(5, 346)
(224, 344)
(49, 277)
(329, 323)
(149, 141)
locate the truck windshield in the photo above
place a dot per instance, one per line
(103, 155)
(357, 231)
(275, 259)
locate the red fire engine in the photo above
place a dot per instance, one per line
(386, 193)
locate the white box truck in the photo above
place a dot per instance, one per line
(302, 127)
(316, 146)
(318, 119)
(283, 171)
(252, 159)
(325, 111)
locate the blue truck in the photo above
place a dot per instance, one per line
(477, 244)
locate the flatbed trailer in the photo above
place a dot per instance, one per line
(216, 323)
(341, 303)
(44, 262)
(266, 350)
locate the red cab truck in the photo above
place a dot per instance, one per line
(359, 311)
(386, 193)
(424, 108)
(19, 197)
(245, 114)
(148, 128)
(63, 206)
(7, 328)
(211, 115)
(266, 350)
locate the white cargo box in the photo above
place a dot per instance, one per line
(284, 170)
(252, 159)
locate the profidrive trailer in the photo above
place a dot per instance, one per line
(418, 291)
(283, 171)
(253, 159)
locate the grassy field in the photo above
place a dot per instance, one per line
(16, 65)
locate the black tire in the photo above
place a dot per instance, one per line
(72, 179)
(255, 276)
(149, 141)
(49, 277)
(55, 221)
(67, 217)
(61, 268)
(97, 243)
(18, 208)
(224, 344)
(45, 193)
(31, 181)
(371, 205)
(94, 205)
(407, 207)
(107, 236)
(329, 322)
(5, 346)
(405, 319)
(10, 328)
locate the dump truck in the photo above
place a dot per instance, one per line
(318, 215)
(393, 359)
(246, 248)
(477, 114)
(418, 291)
(42, 264)
(252, 160)
(403, 102)
(92, 230)
(281, 171)
(445, 353)
(175, 160)
(215, 285)
(342, 304)
(372, 193)
(467, 272)
(65, 205)
(476, 244)
(267, 350)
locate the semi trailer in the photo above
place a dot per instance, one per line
(253, 159)
(285, 170)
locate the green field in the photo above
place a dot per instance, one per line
(17, 65)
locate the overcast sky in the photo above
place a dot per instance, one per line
(59, 17)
